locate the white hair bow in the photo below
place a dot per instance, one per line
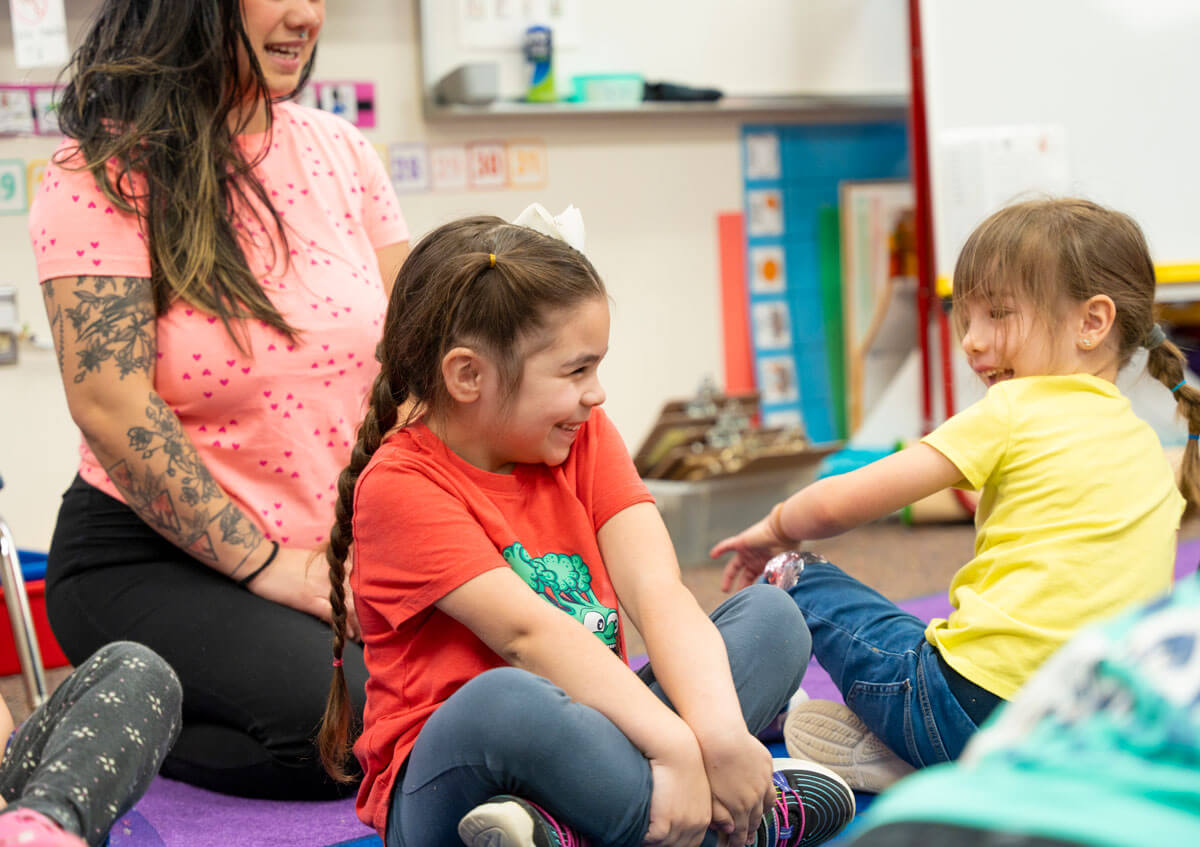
(567, 226)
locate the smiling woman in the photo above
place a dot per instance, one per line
(204, 349)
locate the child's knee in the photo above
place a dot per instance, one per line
(129, 658)
(778, 619)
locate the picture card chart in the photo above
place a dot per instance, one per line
(791, 174)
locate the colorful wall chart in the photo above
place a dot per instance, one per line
(791, 174)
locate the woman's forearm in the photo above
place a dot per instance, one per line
(105, 335)
(157, 469)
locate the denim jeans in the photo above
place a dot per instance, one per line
(508, 731)
(877, 656)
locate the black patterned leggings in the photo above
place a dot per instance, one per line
(86, 755)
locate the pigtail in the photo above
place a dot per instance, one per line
(1166, 363)
(334, 738)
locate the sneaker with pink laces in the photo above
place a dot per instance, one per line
(812, 805)
(507, 821)
(27, 828)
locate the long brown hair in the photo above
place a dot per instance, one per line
(478, 282)
(1055, 251)
(152, 90)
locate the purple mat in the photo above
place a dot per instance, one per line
(173, 814)
(176, 815)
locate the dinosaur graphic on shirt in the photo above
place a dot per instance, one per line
(564, 580)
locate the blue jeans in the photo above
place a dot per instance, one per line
(508, 731)
(877, 656)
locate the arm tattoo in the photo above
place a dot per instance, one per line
(164, 437)
(174, 492)
(113, 322)
(55, 313)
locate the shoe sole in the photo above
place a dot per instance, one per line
(829, 733)
(828, 800)
(505, 824)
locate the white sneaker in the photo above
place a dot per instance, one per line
(831, 734)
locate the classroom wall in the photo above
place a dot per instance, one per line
(650, 188)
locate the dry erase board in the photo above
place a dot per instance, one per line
(1090, 97)
(753, 47)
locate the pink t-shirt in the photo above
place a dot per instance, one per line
(274, 426)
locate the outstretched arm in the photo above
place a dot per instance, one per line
(835, 504)
(691, 664)
(105, 336)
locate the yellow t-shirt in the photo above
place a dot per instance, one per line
(1076, 521)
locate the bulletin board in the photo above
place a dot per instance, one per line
(1087, 97)
(754, 48)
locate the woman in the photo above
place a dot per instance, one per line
(215, 262)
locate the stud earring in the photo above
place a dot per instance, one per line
(1086, 342)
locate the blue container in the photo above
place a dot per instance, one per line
(33, 565)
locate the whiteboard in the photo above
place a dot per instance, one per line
(1117, 78)
(748, 48)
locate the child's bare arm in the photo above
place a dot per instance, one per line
(529, 633)
(835, 504)
(691, 664)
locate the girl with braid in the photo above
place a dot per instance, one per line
(213, 259)
(496, 521)
(1078, 513)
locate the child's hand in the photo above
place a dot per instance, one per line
(680, 804)
(752, 548)
(739, 776)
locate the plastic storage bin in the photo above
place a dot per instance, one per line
(611, 89)
(699, 514)
(33, 569)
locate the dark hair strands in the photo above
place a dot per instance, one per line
(447, 293)
(153, 89)
(1052, 251)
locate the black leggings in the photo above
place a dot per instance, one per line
(255, 674)
(86, 755)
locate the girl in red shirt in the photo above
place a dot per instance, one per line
(497, 520)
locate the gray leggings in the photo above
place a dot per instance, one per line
(86, 755)
(508, 731)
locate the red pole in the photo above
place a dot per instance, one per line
(918, 133)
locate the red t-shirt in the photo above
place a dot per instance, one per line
(425, 523)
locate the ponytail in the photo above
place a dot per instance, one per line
(1166, 364)
(334, 738)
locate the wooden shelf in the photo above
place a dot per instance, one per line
(824, 108)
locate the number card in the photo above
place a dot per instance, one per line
(487, 165)
(409, 166)
(448, 167)
(12, 187)
(527, 164)
(34, 171)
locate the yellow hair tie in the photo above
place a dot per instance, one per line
(491, 260)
